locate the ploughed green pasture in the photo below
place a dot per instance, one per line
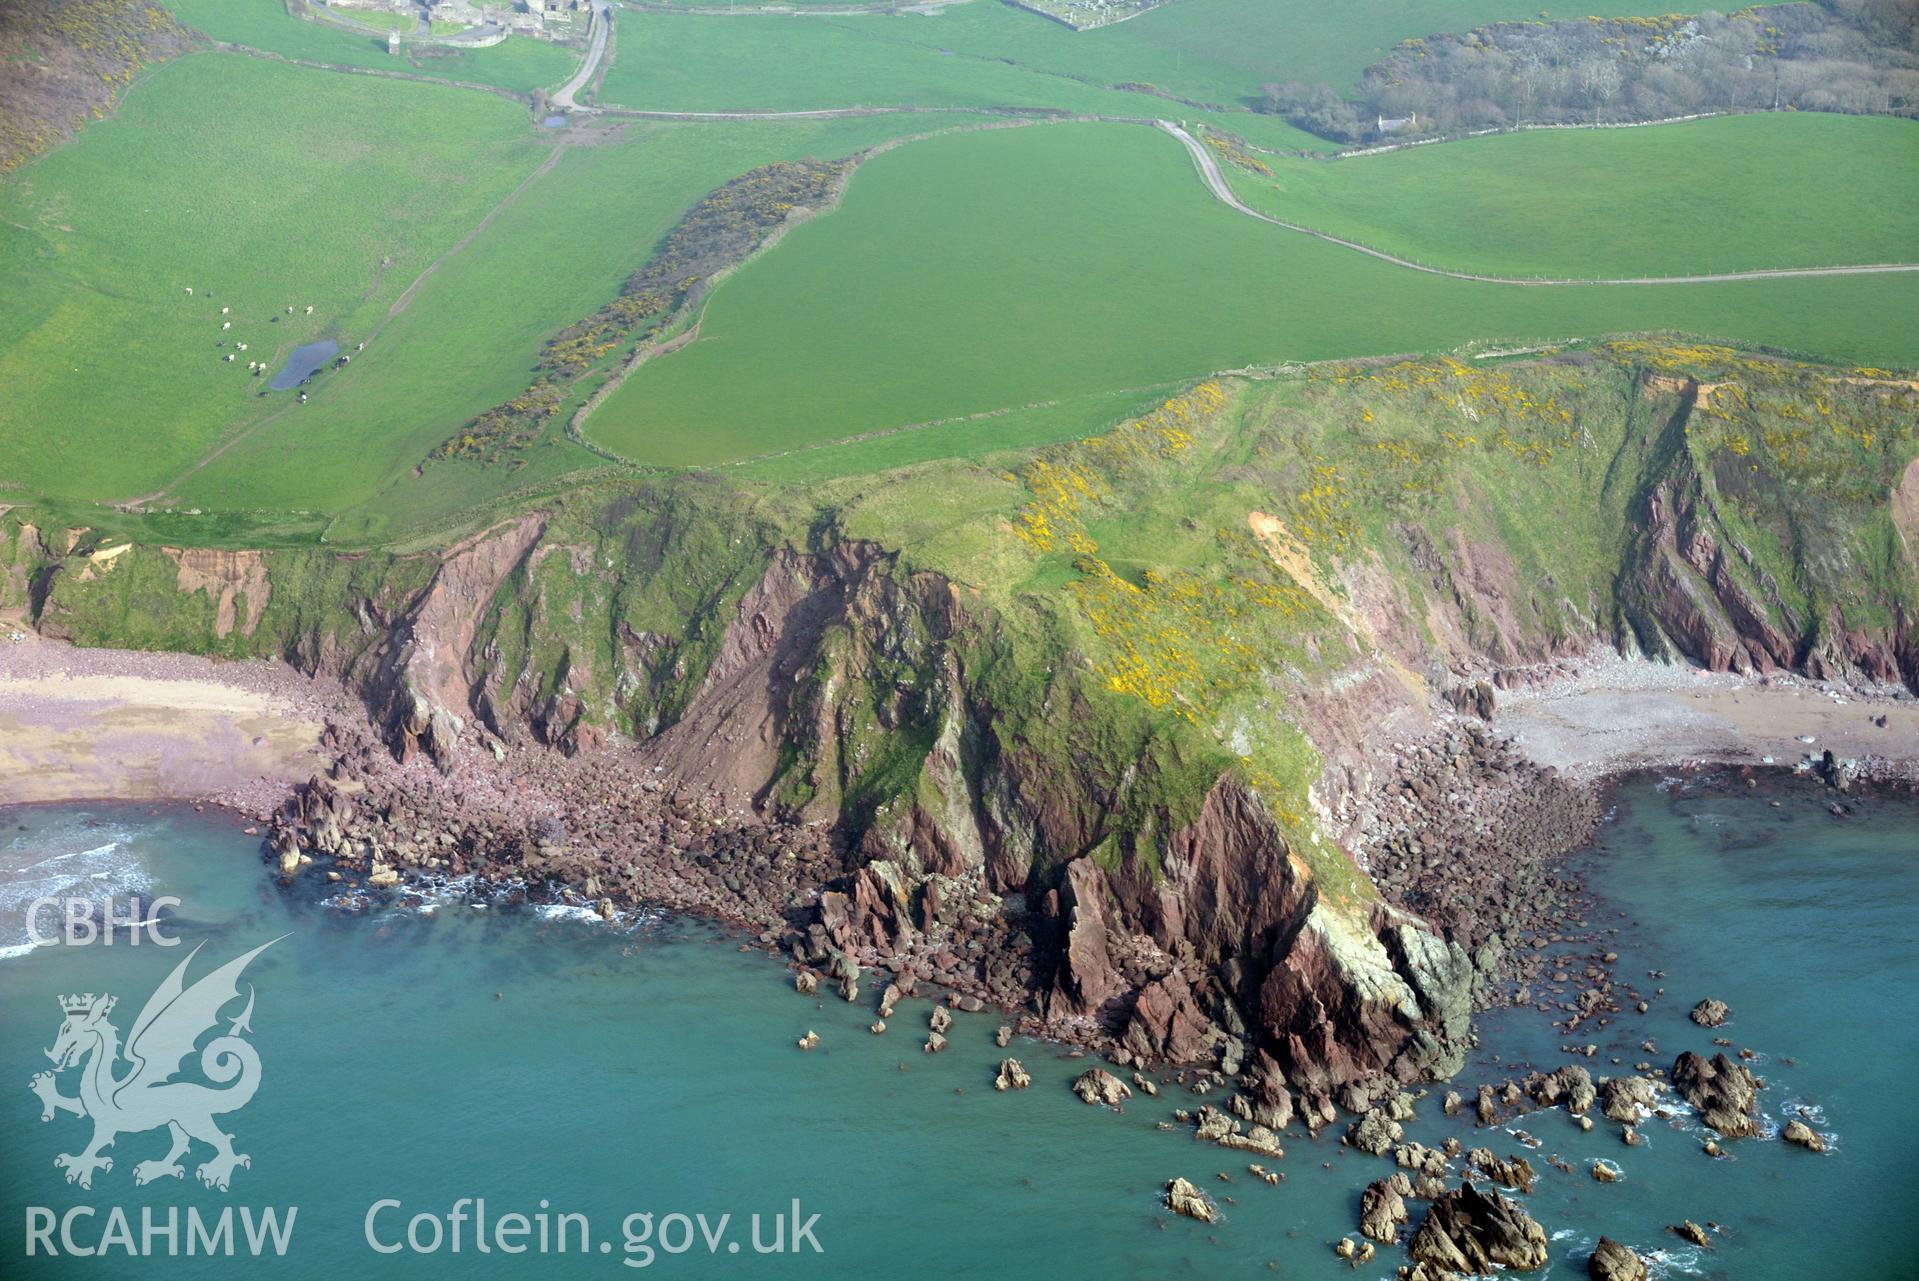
(1737, 193)
(519, 63)
(1018, 268)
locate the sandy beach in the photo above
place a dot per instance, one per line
(114, 724)
(1618, 714)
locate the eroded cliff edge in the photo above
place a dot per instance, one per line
(1172, 739)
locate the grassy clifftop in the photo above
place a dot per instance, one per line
(1150, 610)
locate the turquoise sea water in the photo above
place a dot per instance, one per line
(652, 1069)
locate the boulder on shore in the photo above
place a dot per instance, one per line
(1183, 1198)
(1470, 1231)
(1612, 1261)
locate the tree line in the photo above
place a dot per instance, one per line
(1852, 56)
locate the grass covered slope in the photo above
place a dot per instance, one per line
(520, 64)
(1014, 268)
(254, 184)
(1731, 194)
(1173, 594)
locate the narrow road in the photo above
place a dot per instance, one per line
(602, 29)
(1216, 181)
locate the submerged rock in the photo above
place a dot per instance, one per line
(1183, 1198)
(1471, 1231)
(1612, 1261)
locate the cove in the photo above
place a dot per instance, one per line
(521, 1055)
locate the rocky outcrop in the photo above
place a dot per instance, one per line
(1803, 1135)
(1627, 1098)
(1612, 1261)
(1725, 1092)
(1012, 1075)
(1710, 1013)
(1097, 1085)
(1470, 1231)
(1376, 1132)
(1183, 1198)
(1382, 1211)
(1515, 1172)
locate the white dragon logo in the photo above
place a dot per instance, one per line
(146, 1097)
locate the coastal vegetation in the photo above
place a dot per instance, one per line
(64, 62)
(717, 233)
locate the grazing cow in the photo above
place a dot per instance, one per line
(225, 325)
(228, 358)
(225, 310)
(303, 398)
(309, 309)
(189, 291)
(243, 346)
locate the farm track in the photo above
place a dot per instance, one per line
(602, 32)
(1209, 172)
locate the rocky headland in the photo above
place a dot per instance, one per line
(1280, 826)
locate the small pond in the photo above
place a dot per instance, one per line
(554, 122)
(305, 360)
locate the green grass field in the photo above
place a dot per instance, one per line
(1731, 194)
(469, 338)
(519, 64)
(258, 185)
(1039, 265)
(679, 62)
(1213, 51)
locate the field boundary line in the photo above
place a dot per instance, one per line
(1215, 181)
